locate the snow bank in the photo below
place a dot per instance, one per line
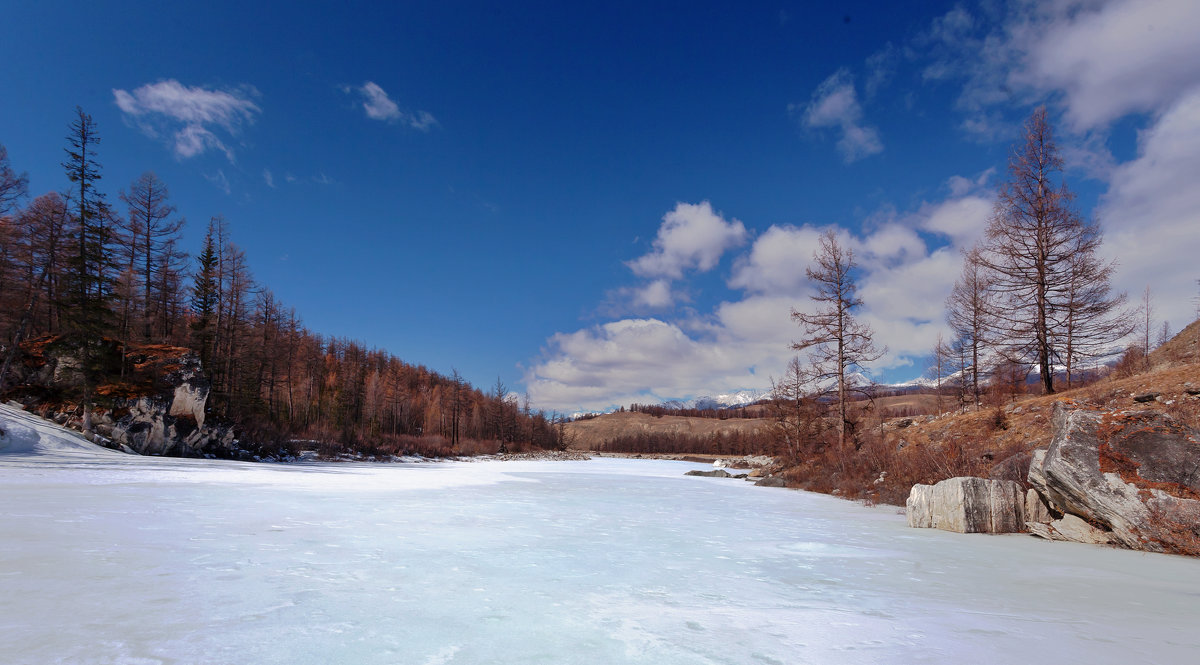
(24, 433)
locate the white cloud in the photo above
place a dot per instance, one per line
(631, 360)
(1111, 58)
(963, 220)
(379, 106)
(777, 260)
(691, 237)
(881, 66)
(834, 104)
(268, 178)
(189, 115)
(1099, 59)
(907, 266)
(655, 295)
(1150, 213)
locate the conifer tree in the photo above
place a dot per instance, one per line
(204, 299)
(88, 286)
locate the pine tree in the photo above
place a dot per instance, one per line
(88, 282)
(968, 311)
(204, 299)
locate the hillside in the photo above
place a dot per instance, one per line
(590, 434)
(903, 442)
(997, 440)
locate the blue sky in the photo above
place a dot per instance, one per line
(615, 202)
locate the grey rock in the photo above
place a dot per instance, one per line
(1037, 511)
(771, 481)
(968, 505)
(1146, 397)
(1135, 474)
(715, 473)
(1070, 528)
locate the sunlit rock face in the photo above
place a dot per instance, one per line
(968, 505)
(1134, 476)
(148, 399)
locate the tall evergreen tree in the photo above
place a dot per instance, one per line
(88, 286)
(204, 299)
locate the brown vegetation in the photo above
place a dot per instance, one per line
(115, 287)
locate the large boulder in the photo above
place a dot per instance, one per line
(1071, 529)
(968, 505)
(1133, 475)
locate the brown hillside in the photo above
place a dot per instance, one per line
(588, 434)
(996, 441)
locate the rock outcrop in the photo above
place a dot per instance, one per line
(1132, 476)
(149, 401)
(1069, 528)
(715, 473)
(968, 505)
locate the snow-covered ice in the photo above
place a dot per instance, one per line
(113, 558)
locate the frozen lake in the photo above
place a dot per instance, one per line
(108, 558)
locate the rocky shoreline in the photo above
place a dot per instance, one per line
(1127, 478)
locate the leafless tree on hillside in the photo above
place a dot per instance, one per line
(799, 428)
(1035, 249)
(150, 235)
(13, 186)
(1093, 318)
(968, 311)
(837, 342)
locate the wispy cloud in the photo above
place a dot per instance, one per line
(220, 181)
(1153, 61)
(189, 118)
(1096, 62)
(834, 104)
(379, 106)
(268, 178)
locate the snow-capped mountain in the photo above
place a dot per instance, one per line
(721, 401)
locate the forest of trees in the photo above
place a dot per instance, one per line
(73, 264)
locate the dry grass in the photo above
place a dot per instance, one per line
(590, 434)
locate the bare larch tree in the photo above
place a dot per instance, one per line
(838, 343)
(1043, 264)
(968, 313)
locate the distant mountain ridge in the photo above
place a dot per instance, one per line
(721, 401)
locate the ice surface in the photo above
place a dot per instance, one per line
(112, 558)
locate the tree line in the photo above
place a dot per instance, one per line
(76, 265)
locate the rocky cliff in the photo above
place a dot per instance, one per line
(1133, 477)
(149, 400)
